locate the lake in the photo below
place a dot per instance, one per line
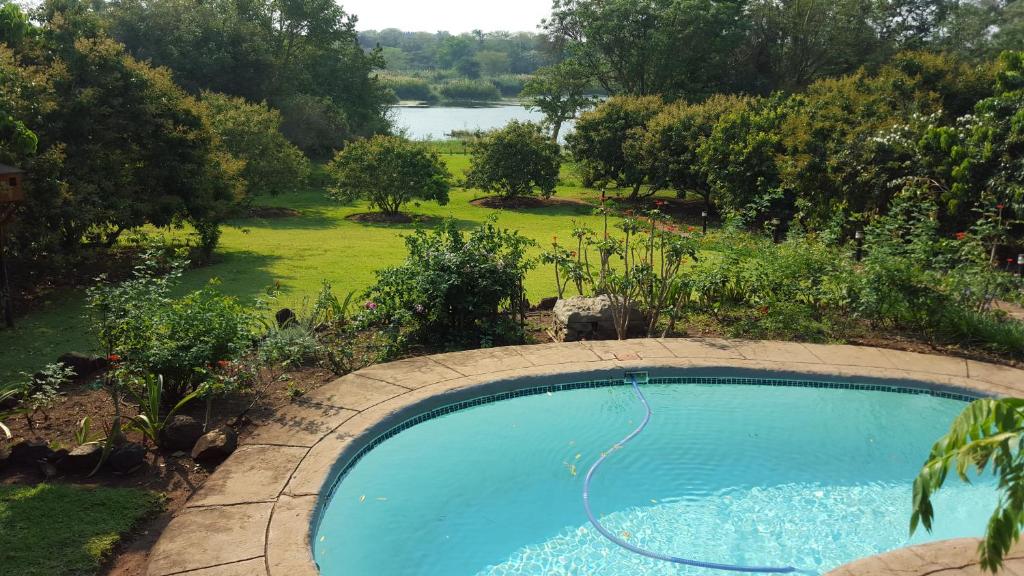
(435, 122)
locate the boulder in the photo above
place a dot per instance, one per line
(84, 365)
(126, 458)
(583, 318)
(29, 451)
(215, 445)
(285, 317)
(82, 459)
(181, 433)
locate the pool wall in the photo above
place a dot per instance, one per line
(257, 513)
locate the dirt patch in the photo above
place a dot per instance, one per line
(525, 202)
(174, 475)
(273, 212)
(384, 218)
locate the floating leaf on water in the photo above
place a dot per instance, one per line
(578, 456)
(362, 498)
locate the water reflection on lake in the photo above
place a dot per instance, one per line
(436, 122)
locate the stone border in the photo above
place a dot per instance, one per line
(254, 514)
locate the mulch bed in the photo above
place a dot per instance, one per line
(273, 212)
(384, 218)
(172, 474)
(525, 202)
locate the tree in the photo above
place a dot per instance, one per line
(251, 133)
(389, 171)
(267, 50)
(741, 159)
(598, 142)
(988, 432)
(559, 92)
(515, 161)
(632, 47)
(667, 150)
(120, 146)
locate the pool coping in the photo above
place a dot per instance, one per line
(254, 514)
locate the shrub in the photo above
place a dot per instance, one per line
(455, 288)
(515, 161)
(389, 171)
(598, 142)
(470, 90)
(251, 132)
(152, 333)
(510, 85)
(409, 88)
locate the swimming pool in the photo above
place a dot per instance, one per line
(777, 473)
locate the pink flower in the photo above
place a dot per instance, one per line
(371, 305)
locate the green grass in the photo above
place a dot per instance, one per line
(60, 530)
(297, 253)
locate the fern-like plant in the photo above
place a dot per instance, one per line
(989, 432)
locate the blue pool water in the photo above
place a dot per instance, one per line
(759, 475)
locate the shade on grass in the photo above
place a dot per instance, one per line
(61, 530)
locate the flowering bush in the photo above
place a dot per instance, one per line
(455, 288)
(152, 333)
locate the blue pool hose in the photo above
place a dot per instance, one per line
(636, 549)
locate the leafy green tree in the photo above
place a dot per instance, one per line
(633, 47)
(667, 149)
(251, 132)
(268, 50)
(741, 159)
(515, 161)
(599, 140)
(560, 93)
(987, 435)
(389, 171)
(120, 146)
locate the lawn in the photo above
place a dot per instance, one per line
(60, 530)
(296, 254)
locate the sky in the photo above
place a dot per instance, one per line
(454, 16)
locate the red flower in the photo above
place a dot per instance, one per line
(961, 235)
(1000, 206)
(223, 363)
(659, 202)
(691, 228)
(114, 358)
(1009, 260)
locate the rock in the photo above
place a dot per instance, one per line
(30, 451)
(215, 446)
(547, 303)
(84, 365)
(181, 433)
(126, 458)
(285, 317)
(582, 318)
(82, 459)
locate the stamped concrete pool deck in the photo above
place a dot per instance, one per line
(254, 515)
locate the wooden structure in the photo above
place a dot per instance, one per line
(11, 194)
